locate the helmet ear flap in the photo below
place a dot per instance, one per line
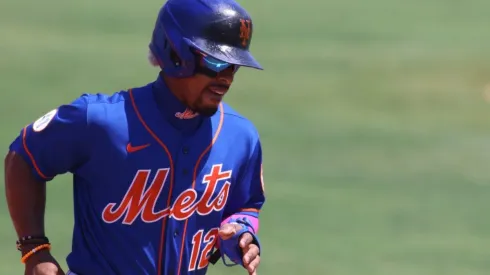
(175, 58)
(179, 59)
(171, 51)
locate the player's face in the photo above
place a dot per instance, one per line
(206, 89)
(207, 92)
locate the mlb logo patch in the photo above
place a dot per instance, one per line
(43, 121)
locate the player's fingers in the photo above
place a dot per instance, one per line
(246, 239)
(250, 253)
(227, 230)
(246, 258)
(252, 267)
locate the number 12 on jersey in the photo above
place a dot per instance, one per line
(199, 259)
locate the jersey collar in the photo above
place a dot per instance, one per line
(173, 109)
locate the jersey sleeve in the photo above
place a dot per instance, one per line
(57, 142)
(248, 196)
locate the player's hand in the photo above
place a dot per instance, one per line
(42, 263)
(251, 258)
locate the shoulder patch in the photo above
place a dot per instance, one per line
(42, 122)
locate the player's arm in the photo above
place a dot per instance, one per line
(238, 234)
(248, 196)
(54, 144)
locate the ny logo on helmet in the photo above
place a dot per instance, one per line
(245, 31)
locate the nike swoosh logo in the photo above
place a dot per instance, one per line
(131, 149)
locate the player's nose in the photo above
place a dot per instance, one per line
(225, 77)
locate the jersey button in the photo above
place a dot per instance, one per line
(176, 233)
(185, 171)
(185, 150)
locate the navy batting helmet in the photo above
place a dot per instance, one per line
(220, 30)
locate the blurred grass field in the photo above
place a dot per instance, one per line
(376, 132)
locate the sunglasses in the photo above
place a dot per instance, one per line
(212, 66)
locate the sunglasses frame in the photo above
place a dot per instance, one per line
(211, 66)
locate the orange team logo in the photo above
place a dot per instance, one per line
(187, 114)
(245, 31)
(140, 200)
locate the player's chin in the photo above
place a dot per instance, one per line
(208, 110)
(210, 104)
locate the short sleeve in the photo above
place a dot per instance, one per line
(57, 142)
(249, 194)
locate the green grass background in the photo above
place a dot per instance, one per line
(375, 128)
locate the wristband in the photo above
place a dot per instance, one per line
(27, 240)
(231, 247)
(34, 251)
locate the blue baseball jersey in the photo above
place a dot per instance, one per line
(152, 180)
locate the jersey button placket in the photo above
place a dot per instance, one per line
(185, 151)
(183, 170)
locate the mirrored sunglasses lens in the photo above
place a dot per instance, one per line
(215, 64)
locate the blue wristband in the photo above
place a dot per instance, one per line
(231, 247)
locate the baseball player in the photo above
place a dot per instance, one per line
(166, 177)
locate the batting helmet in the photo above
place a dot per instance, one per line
(219, 29)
